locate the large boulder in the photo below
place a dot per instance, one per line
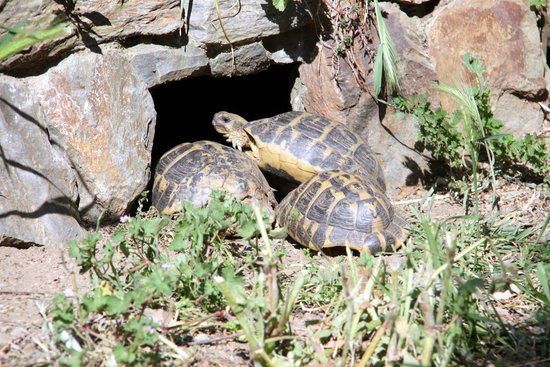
(393, 137)
(37, 185)
(504, 35)
(104, 118)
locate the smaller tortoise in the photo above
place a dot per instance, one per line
(297, 145)
(334, 209)
(191, 171)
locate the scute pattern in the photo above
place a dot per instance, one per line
(295, 138)
(334, 209)
(191, 171)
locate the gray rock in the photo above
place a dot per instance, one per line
(519, 116)
(244, 21)
(157, 64)
(393, 140)
(115, 20)
(37, 185)
(100, 21)
(297, 95)
(104, 118)
(296, 46)
(245, 60)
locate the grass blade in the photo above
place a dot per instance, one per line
(386, 57)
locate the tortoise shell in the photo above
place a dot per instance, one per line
(297, 145)
(191, 171)
(335, 208)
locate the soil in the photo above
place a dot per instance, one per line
(30, 276)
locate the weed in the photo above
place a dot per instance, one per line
(433, 304)
(131, 273)
(350, 24)
(472, 135)
(385, 61)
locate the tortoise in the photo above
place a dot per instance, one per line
(191, 171)
(335, 208)
(297, 145)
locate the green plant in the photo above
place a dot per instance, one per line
(17, 39)
(538, 3)
(147, 264)
(263, 313)
(472, 134)
(385, 61)
(434, 306)
(280, 4)
(436, 130)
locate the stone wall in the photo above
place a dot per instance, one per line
(86, 154)
(77, 120)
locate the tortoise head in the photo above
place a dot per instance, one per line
(232, 127)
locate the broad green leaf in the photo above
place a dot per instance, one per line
(280, 4)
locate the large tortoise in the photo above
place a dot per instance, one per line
(191, 171)
(297, 145)
(338, 209)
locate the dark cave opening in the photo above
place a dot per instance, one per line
(185, 108)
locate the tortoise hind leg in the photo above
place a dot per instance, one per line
(375, 242)
(398, 228)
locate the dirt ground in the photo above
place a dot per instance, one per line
(31, 276)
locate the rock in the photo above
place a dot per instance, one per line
(520, 116)
(243, 22)
(37, 185)
(340, 98)
(32, 16)
(99, 21)
(393, 140)
(115, 20)
(504, 35)
(414, 2)
(415, 69)
(104, 118)
(245, 60)
(322, 91)
(295, 46)
(297, 94)
(157, 64)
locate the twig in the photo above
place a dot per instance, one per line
(215, 340)
(25, 293)
(181, 353)
(412, 201)
(217, 6)
(372, 346)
